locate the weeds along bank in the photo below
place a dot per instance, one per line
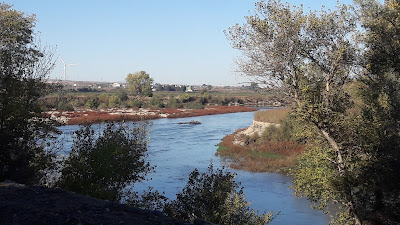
(269, 144)
(139, 114)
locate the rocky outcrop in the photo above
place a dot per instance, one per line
(257, 128)
(23, 204)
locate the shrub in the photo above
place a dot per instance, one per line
(157, 102)
(113, 101)
(64, 106)
(186, 98)
(194, 105)
(136, 103)
(174, 103)
(214, 196)
(93, 103)
(102, 164)
(103, 98)
(122, 95)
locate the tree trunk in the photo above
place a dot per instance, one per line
(341, 168)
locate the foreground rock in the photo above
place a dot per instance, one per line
(20, 204)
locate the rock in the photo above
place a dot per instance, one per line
(256, 128)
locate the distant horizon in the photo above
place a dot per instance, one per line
(124, 82)
(173, 41)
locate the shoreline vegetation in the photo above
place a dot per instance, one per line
(138, 114)
(265, 146)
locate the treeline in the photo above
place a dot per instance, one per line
(124, 99)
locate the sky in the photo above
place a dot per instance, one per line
(174, 41)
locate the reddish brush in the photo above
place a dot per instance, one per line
(96, 116)
(260, 156)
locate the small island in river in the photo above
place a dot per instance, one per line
(139, 114)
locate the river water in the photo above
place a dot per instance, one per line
(176, 150)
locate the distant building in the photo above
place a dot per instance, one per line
(116, 85)
(189, 89)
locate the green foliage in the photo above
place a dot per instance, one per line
(157, 102)
(114, 101)
(140, 83)
(23, 71)
(353, 136)
(122, 95)
(93, 103)
(214, 196)
(194, 105)
(103, 98)
(102, 165)
(185, 98)
(136, 103)
(174, 103)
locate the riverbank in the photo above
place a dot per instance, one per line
(139, 114)
(265, 146)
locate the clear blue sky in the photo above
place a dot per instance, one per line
(175, 41)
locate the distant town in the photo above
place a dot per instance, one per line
(96, 86)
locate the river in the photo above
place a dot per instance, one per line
(177, 149)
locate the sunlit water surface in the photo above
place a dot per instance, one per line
(177, 149)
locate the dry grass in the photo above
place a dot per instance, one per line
(271, 116)
(260, 156)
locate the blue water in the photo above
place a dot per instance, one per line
(176, 150)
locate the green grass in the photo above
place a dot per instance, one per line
(221, 148)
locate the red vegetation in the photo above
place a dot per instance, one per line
(98, 116)
(260, 156)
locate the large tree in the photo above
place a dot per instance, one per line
(315, 56)
(23, 69)
(140, 83)
(381, 97)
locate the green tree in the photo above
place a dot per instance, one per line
(214, 196)
(140, 83)
(93, 102)
(102, 165)
(380, 93)
(122, 95)
(313, 56)
(23, 69)
(114, 101)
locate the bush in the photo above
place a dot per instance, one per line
(156, 102)
(103, 98)
(214, 196)
(113, 101)
(174, 103)
(136, 103)
(93, 103)
(194, 105)
(186, 98)
(122, 95)
(102, 165)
